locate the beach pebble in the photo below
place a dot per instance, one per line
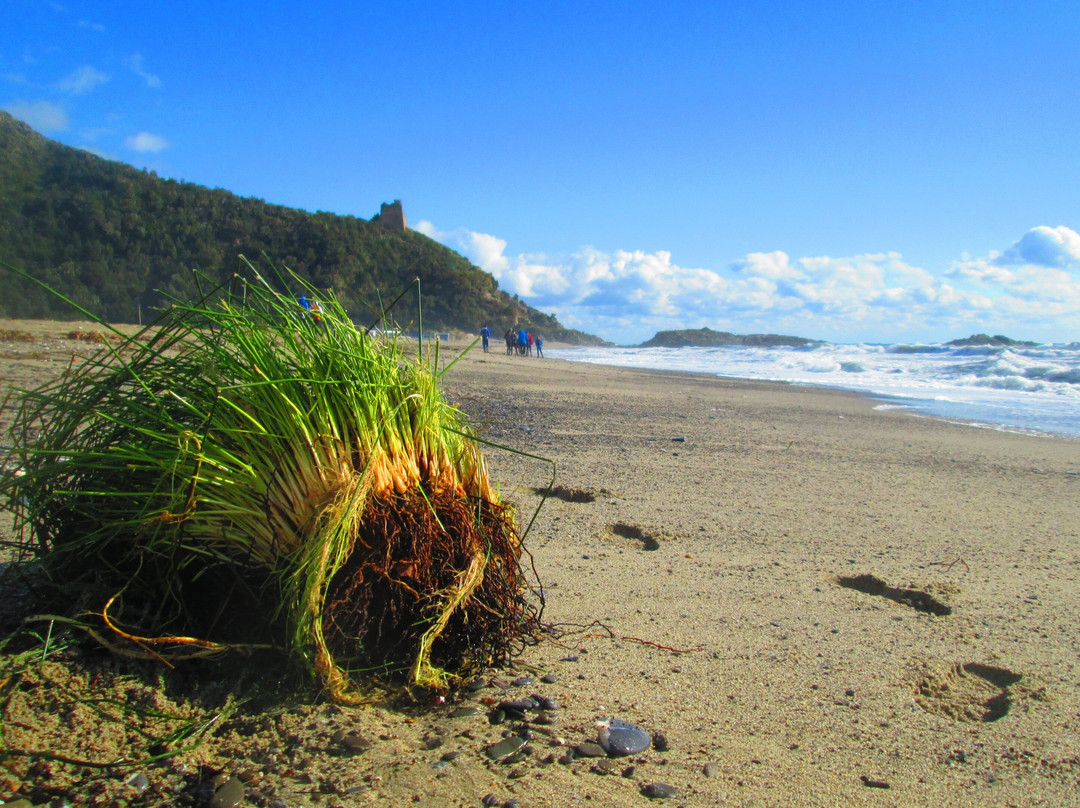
(229, 794)
(464, 712)
(711, 769)
(522, 681)
(605, 766)
(505, 748)
(549, 678)
(354, 742)
(659, 791)
(619, 738)
(139, 781)
(544, 703)
(589, 750)
(518, 705)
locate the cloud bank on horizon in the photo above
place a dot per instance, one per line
(1030, 290)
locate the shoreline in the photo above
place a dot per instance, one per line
(925, 405)
(758, 572)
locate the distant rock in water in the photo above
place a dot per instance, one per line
(998, 341)
(707, 338)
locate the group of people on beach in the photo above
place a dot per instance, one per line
(518, 341)
(311, 308)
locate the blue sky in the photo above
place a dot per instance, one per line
(870, 171)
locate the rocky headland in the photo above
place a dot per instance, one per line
(707, 338)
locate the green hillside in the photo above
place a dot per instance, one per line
(707, 338)
(117, 240)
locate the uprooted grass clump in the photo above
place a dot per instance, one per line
(241, 474)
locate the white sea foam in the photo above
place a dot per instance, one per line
(1033, 389)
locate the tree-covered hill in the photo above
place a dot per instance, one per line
(707, 338)
(117, 240)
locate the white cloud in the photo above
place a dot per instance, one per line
(1044, 246)
(44, 116)
(135, 65)
(146, 142)
(82, 80)
(92, 26)
(773, 265)
(626, 296)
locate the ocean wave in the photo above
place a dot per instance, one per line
(1032, 387)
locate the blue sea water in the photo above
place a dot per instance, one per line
(1026, 389)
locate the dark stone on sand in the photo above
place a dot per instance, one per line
(505, 748)
(620, 738)
(544, 703)
(571, 658)
(229, 794)
(464, 712)
(518, 705)
(870, 782)
(589, 750)
(355, 742)
(604, 767)
(522, 681)
(549, 678)
(659, 791)
(475, 684)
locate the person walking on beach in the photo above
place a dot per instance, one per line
(522, 341)
(485, 334)
(539, 347)
(509, 337)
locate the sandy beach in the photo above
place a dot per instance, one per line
(805, 600)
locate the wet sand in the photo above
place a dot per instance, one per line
(813, 601)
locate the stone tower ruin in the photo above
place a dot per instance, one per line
(391, 216)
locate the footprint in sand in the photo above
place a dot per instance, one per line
(915, 598)
(573, 494)
(969, 691)
(649, 541)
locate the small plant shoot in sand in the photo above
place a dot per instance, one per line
(244, 474)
